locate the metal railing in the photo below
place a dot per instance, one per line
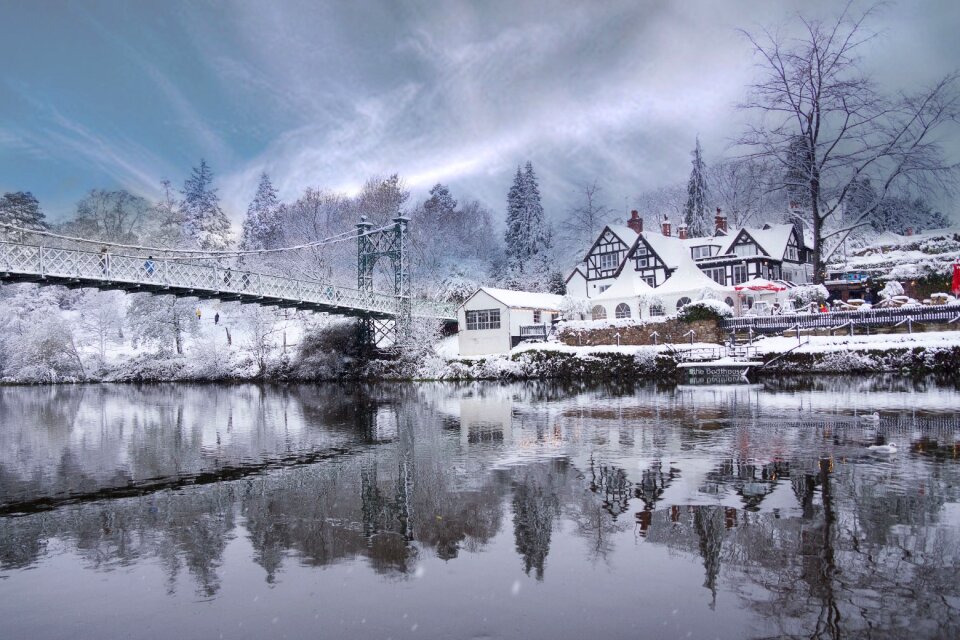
(844, 319)
(534, 331)
(23, 262)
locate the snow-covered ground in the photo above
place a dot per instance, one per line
(765, 346)
(827, 344)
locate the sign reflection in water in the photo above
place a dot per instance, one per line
(750, 510)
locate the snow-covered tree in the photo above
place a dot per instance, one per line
(695, 213)
(204, 221)
(381, 199)
(823, 119)
(116, 216)
(100, 319)
(902, 213)
(261, 227)
(162, 321)
(440, 206)
(528, 238)
(663, 202)
(21, 209)
(742, 188)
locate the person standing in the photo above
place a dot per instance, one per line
(216, 318)
(104, 261)
(198, 314)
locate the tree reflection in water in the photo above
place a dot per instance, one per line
(796, 521)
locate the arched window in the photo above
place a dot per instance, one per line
(682, 301)
(623, 310)
(728, 301)
(656, 309)
(599, 313)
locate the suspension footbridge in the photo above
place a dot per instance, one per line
(78, 268)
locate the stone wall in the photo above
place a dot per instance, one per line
(669, 331)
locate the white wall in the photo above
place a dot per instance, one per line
(482, 342)
(577, 286)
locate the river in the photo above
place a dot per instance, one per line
(481, 510)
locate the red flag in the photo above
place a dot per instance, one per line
(955, 287)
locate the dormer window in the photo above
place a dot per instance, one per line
(701, 252)
(793, 254)
(745, 250)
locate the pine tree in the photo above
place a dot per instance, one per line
(528, 238)
(261, 228)
(440, 206)
(204, 221)
(21, 209)
(695, 211)
(515, 236)
(540, 236)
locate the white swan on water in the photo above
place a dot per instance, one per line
(883, 448)
(871, 417)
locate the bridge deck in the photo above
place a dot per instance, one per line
(86, 269)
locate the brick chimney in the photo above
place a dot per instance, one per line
(635, 222)
(720, 223)
(682, 231)
(665, 227)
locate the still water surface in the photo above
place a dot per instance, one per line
(480, 511)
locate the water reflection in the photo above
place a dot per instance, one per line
(769, 490)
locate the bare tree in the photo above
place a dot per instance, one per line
(813, 96)
(742, 189)
(663, 203)
(583, 222)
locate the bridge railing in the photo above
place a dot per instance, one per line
(838, 319)
(204, 278)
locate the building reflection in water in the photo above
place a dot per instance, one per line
(780, 504)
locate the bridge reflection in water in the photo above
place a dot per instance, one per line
(759, 504)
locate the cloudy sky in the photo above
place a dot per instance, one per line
(325, 94)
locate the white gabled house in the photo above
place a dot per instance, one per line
(496, 320)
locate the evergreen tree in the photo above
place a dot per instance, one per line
(203, 219)
(695, 211)
(528, 238)
(261, 228)
(541, 237)
(21, 209)
(515, 236)
(440, 206)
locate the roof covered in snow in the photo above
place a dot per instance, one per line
(623, 232)
(671, 250)
(628, 285)
(524, 299)
(687, 278)
(772, 239)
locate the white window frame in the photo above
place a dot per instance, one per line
(608, 261)
(482, 319)
(746, 250)
(742, 268)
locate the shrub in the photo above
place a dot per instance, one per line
(704, 310)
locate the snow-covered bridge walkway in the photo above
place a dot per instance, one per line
(137, 274)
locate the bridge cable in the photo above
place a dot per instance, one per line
(350, 234)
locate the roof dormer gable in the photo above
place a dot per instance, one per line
(745, 245)
(606, 254)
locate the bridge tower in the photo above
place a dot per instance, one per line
(390, 243)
